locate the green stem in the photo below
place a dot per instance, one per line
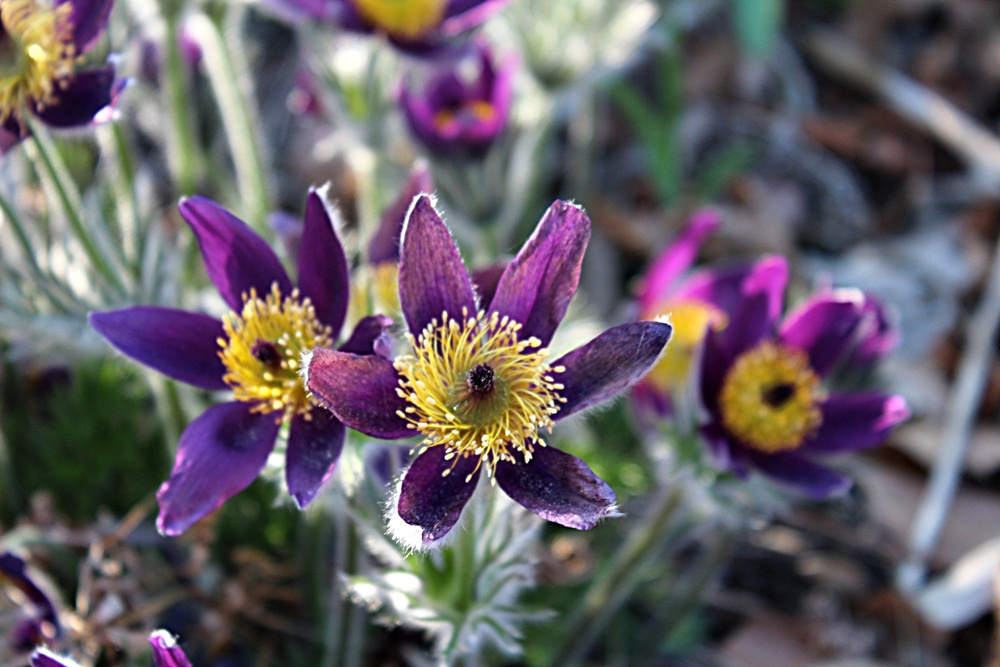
(183, 144)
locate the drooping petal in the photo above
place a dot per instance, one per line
(43, 657)
(323, 274)
(537, 286)
(219, 454)
(384, 244)
(166, 651)
(370, 336)
(236, 258)
(313, 449)
(675, 259)
(801, 474)
(177, 343)
(558, 487)
(81, 98)
(824, 328)
(89, 19)
(360, 390)
(609, 364)
(856, 421)
(433, 500)
(432, 277)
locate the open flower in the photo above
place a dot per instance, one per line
(478, 385)
(451, 115)
(42, 44)
(255, 351)
(762, 382)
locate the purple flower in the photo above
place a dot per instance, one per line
(166, 652)
(42, 657)
(42, 622)
(43, 43)
(477, 384)
(451, 115)
(417, 27)
(254, 351)
(762, 381)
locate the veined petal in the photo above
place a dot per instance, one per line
(370, 336)
(166, 652)
(434, 491)
(609, 364)
(361, 390)
(177, 343)
(236, 258)
(89, 19)
(558, 487)
(219, 454)
(323, 275)
(675, 259)
(81, 97)
(801, 474)
(537, 286)
(314, 446)
(824, 328)
(856, 421)
(384, 244)
(432, 277)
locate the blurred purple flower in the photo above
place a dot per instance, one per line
(454, 116)
(255, 351)
(166, 652)
(477, 385)
(43, 43)
(41, 624)
(42, 657)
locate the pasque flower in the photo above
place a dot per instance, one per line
(42, 43)
(255, 351)
(477, 384)
(452, 115)
(166, 653)
(763, 380)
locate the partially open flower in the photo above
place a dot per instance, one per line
(478, 385)
(166, 652)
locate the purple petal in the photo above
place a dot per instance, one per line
(879, 333)
(384, 245)
(89, 19)
(80, 98)
(177, 343)
(361, 391)
(558, 487)
(609, 364)
(662, 276)
(166, 652)
(370, 336)
(14, 571)
(323, 275)
(432, 277)
(756, 313)
(289, 229)
(801, 474)
(236, 258)
(824, 327)
(536, 288)
(11, 134)
(313, 449)
(857, 421)
(219, 454)
(463, 15)
(43, 657)
(432, 500)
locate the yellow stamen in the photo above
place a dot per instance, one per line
(770, 398)
(263, 347)
(480, 110)
(691, 321)
(36, 56)
(409, 19)
(476, 389)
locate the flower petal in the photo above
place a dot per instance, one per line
(824, 328)
(14, 571)
(313, 449)
(81, 99)
(360, 390)
(675, 259)
(43, 657)
(432, 277)
(177, 343)
(558, 487)
(856, 421)
(236, 258)
(434, 491)
(462, 15)
(166, 652)
(219, 454)
(537, 286)
(384, 245)
(370, 336)
(323, 274)
(89, 19)
(802, 475)
(610, 363)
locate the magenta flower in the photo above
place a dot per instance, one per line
(762, 381)
(454, 116)
(166, 652)
(43, 42)
(255, 351)
(477, 384)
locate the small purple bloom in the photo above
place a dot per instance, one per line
(478, 385)
(42, 621)
(166, 652)
(454, 116)
(762, 382)
(255, 351)
(42, 657)
(44, 42)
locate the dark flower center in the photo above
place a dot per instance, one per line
(481, 379)
(779, 394)
(266, 353)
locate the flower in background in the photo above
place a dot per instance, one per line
(166, 652)
(478, 385)
(417, 27)
(451, 115)
(41, 624)
(43, 43)
(255, 351)
(762, 381)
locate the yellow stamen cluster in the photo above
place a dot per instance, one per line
(263, 347)
(481, 110)
(770, 398)
(409, 19)
(691, 321)
(477, 390)
(37, 55)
